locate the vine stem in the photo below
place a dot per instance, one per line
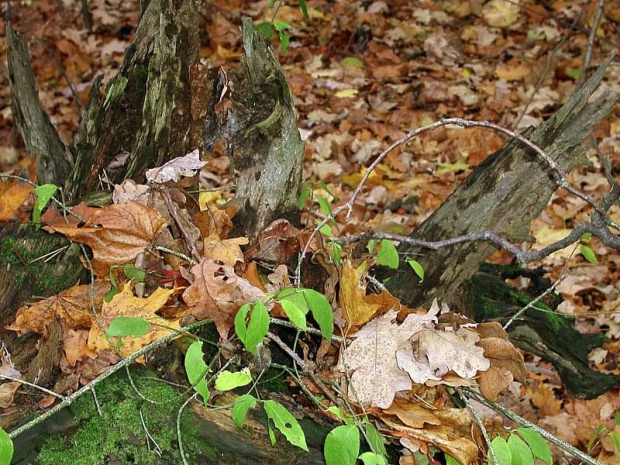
(68, 400)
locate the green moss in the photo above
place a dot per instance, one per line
(274, 381)
(118, 435)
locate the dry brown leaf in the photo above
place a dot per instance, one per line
(227, 251)
(218, 293)
(501, 13)
(449, 440)
(73, 306)
(513, 70)
(8, 388)
(127, 305)
(116, 233)
(356, 310)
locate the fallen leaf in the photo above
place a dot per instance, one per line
(173, 170)
(13, 194)
(375, 376)
(73, 306)
(126, 304)
(226, 251)
(356, 310)
(218, 293)
(115, 233)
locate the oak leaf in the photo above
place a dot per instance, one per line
(227, 251)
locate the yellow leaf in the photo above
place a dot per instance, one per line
(226, 251)
(356, 310)
(347, 93)
(207, 198)
(126, 304)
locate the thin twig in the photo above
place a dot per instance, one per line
(532, 303)
(32, 385)
(179, 436)
(523, 422)
(478, 420)
(303, 366)
(600, 8)
(68, 400)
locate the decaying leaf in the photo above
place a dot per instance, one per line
(371, 358)
(8, 388)
(176, 168)
(217, 292)
(125, 304)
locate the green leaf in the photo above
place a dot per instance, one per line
(388, 255)
(286, 423)
(375, 438)
(228, 380)
(110, 295)
(573, 73)
(321, 311)
(285, 40)
(326, 230)
(588, 254)
(534, 35)
(324, 187)
(265, 29)
(417, 268)
(370, 458)
(600, 430)
(240, 409)
(124, 326)
(44, 194)
(420, 458)
(272, 3)
(282, 26)
(341, 416)
(304, 8)
(616, 440)
(241, 328)
(342, 445)
(303, 196)
(324, 206)
(296, 296)
(502, 451)
(538, 445)
(451, 460)
(337, 251)
(585, 237)
(197, 369)
(295, 314)
(135, 274)
(521, 453)
(6, 448)
(352, 62)
(257, 328)
(372, 243)
(617, 417)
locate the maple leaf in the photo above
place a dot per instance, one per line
(218, 293)
(226, 251)
(356, 309)
(115, 233)
(371, 358)
(73, 306)
(13, 194)
(126, 304)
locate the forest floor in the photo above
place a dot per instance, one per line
(362, 75)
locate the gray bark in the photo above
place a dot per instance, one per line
(503, 194)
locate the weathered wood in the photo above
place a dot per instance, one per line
(504, 194)
(266, 148)
(53, 159)
(145, 117)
